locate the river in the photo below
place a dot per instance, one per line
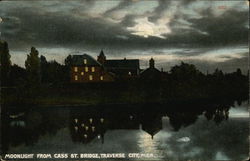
(153, 135)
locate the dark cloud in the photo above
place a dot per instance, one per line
(129, 20)
(122, 5)
(58, 29)
(163, 5)
(187, 2)
(46, 30)
(228, 28)
(33, 26)
(71, 26)
(209, 29)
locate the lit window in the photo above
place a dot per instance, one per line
(129, 73)
(101, 77)
(93, 69)
(82, 73)
(90, 120)
(90, 77)
(86, 69)
(75, 69)
(76, 77)
(85, 61)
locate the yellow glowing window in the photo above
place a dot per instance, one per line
(85, 61)
(101, 77)
(82, 73)
(86, 69)
(75, 69)
(76, 77)
(93, 69)
(90, 77)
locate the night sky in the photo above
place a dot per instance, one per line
(208, 34)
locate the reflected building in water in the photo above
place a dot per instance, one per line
(152, 124)
(85, 127)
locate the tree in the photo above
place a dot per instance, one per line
(186, 81)
(238, 72)
(68, 61)
(218, 73)
(17, 75)
(55, 72)
(32, 65)
(185, 72)
(44, 69)
(5, 62)
(43, 60)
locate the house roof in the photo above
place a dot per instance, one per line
(151, 71)
(151, 74)
(79, 60)
(123, 63)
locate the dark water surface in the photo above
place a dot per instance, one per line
(211, 133)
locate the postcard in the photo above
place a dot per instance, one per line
(124, 80)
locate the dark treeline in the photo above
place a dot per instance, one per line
(42, 80)
(37, 70)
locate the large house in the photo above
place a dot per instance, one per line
(85, 68)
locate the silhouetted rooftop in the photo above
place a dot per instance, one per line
(79, 60)
(123, 63)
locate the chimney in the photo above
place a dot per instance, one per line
(151, 63)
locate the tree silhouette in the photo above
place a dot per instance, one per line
(5, 63)
(68, 63)
(184, 71)
(32, 65)
(238, 71)
(218, 73)
(44, 71)
(186, 81)
(68, 60)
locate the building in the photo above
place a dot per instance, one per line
(152, 123)
(151, 73)
(122, 68)
(84, 68)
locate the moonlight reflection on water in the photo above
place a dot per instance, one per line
(146, 143)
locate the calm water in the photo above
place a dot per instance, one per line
(130, 131)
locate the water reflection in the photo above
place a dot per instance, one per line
(84, 127)
(146, 144)
(167, 131)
